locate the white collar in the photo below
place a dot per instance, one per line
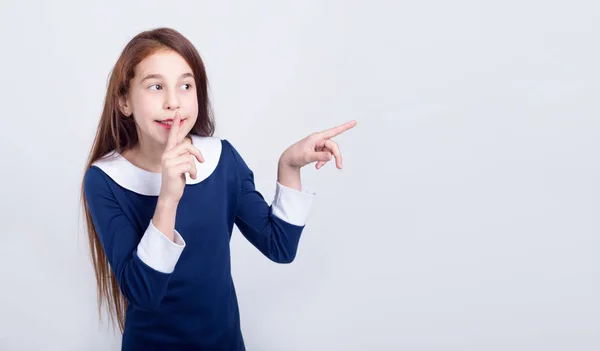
(145, 182)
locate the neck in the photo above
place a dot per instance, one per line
(147, 155)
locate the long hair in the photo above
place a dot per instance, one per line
(117, 133)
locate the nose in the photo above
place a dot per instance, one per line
(171, 101)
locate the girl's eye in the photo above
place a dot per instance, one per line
(159, 87)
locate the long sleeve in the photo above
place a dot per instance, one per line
(274, 229)
(142, 261)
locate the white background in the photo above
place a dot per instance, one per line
(465, 218)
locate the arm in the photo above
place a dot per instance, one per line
(273, 229)
(141, 260)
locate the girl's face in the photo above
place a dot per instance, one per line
(163, 84)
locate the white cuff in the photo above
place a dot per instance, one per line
(291, 205)
(158, 251)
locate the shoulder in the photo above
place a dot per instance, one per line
(94, 176)
(95, 182)
(227, 146)
(230, 149)
(235, 157)
(105, 167)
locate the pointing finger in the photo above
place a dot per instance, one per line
(330, 133)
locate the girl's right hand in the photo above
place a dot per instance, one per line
(177, 160)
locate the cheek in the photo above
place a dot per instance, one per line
(146, 106)
(191, 105)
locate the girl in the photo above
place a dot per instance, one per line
(161, 195)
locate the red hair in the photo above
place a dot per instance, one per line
(118, 133)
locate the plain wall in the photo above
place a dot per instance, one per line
(466, 215)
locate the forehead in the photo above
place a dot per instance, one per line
(167, 63)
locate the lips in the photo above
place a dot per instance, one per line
(168, 123)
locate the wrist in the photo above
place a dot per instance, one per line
(289, 176)
(285, 164)
(165, 202)
(164, 217)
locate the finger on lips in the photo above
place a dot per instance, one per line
(180, 155)
(173, 137)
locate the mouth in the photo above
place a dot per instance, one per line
(168, 123)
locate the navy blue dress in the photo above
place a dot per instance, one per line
(180, 293)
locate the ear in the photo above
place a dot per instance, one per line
(125, 106)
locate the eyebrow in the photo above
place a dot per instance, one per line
(150, 76)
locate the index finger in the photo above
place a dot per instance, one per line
(330, 133)
(174, 132)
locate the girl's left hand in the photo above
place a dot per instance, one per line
(317, 147)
